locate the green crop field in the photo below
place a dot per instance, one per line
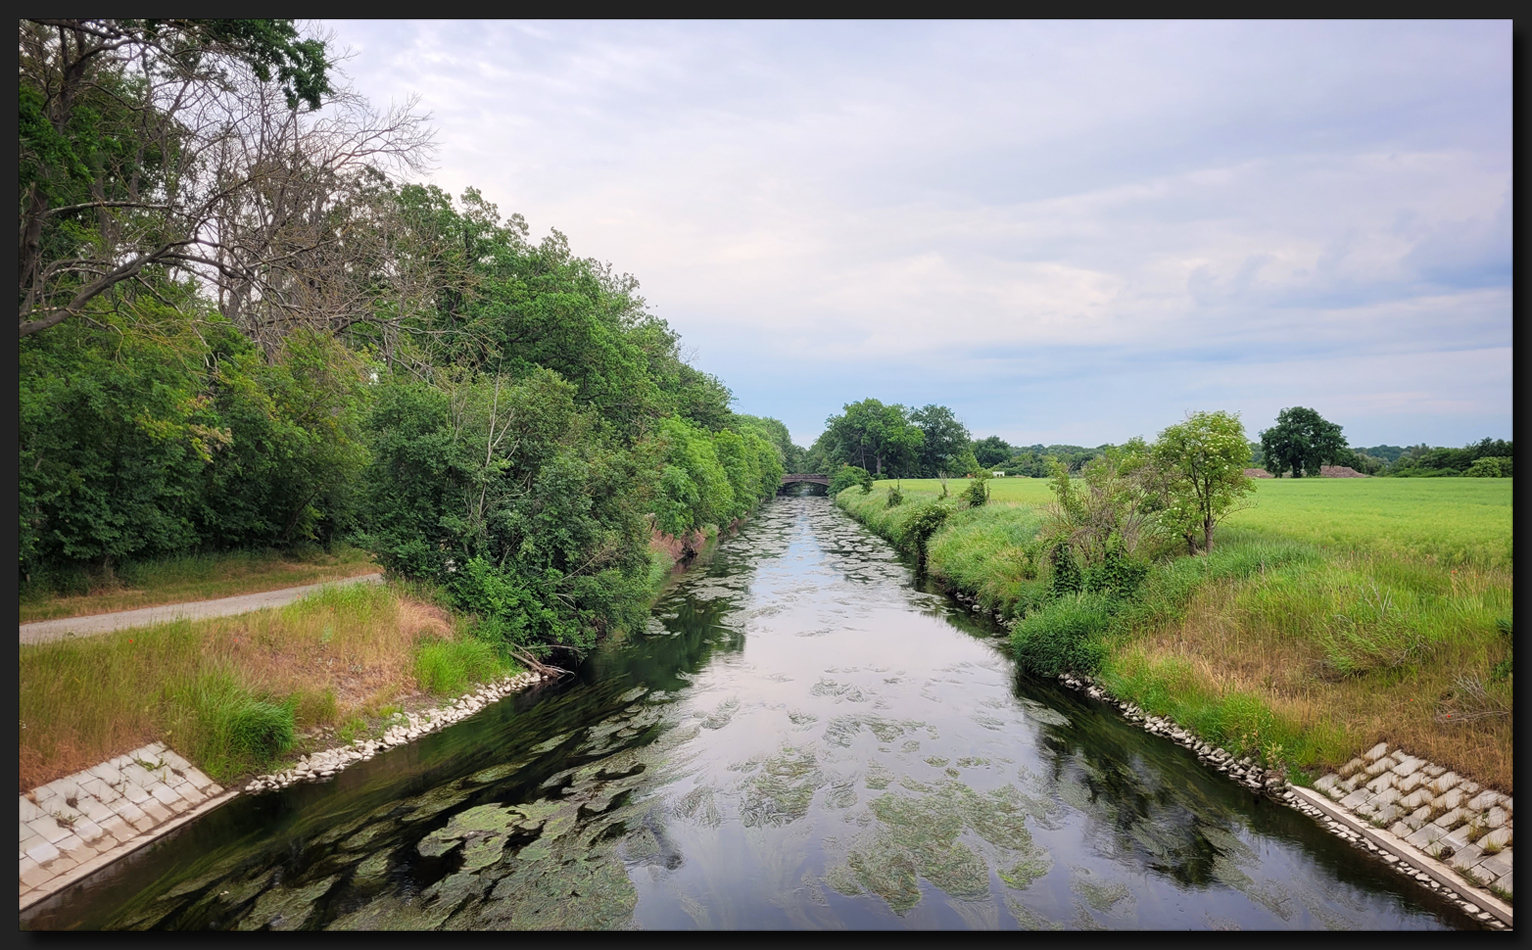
(1449, 520)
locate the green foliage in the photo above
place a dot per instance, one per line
(1036, 461)
(1110, 506)
(977, 492)
(1202, 462)
(848, 475)
(1490, 466)
(228, 728)
(943, 440)
(500, 492)
(991, 451)
(1118, 575)
(1066, 635)
(1300, 443)
(152, 436)
(895, 497)
(1422, 461)
(922, 524)
(695, 489)
(272, 48)
(873, 436)
(1065, 578)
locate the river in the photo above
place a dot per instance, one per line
(802, 738)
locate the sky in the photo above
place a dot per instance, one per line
(1065, 232)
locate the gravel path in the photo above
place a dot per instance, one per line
(46, 630)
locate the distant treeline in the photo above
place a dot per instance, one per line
(895, 441)
(1486, 458)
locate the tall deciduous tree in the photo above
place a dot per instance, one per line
(873, 436)
(991, 451)
(173, 148)
(1300, 443)
(945, 438)
(1203, 462)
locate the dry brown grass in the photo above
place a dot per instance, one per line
(1226, 651)
(344, 653)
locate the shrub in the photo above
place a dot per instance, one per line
(923, 523)
(1118, 575)
(895, 497)
(1490, 467)
(977, 492)
(849, 475)
(1066, 635)
(1065, 577)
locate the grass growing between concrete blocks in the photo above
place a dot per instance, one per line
(1342, 613)
(230, 693)
(82, 592)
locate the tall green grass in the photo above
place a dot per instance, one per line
(225, 726)
(448, 667)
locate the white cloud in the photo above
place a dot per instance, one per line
(1290, 200)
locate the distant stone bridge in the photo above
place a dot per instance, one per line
(796, 477)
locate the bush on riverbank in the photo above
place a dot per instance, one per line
(1275, 642)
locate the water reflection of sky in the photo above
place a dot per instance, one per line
(863, 762)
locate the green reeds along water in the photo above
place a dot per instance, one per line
(803, 738)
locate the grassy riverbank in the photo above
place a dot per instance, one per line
(1334, 614)
(239, 695)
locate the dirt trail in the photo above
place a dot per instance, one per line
(45, 630)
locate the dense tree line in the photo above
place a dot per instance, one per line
(240, 327)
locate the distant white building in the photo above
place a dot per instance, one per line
(998, 474)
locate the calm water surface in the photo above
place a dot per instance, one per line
(802, 738)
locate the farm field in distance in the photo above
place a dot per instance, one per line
(1453, 520)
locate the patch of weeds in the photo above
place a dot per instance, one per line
(315, 708)
(229, 729)
(354, 727)
(448, 667)
(1500, 892)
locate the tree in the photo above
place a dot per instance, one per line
(872, 434)
(991, 451)
(1203, 463)
(1300, 443)
(945, 438)
(155, 149)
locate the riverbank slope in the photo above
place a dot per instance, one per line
(1329, 618)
